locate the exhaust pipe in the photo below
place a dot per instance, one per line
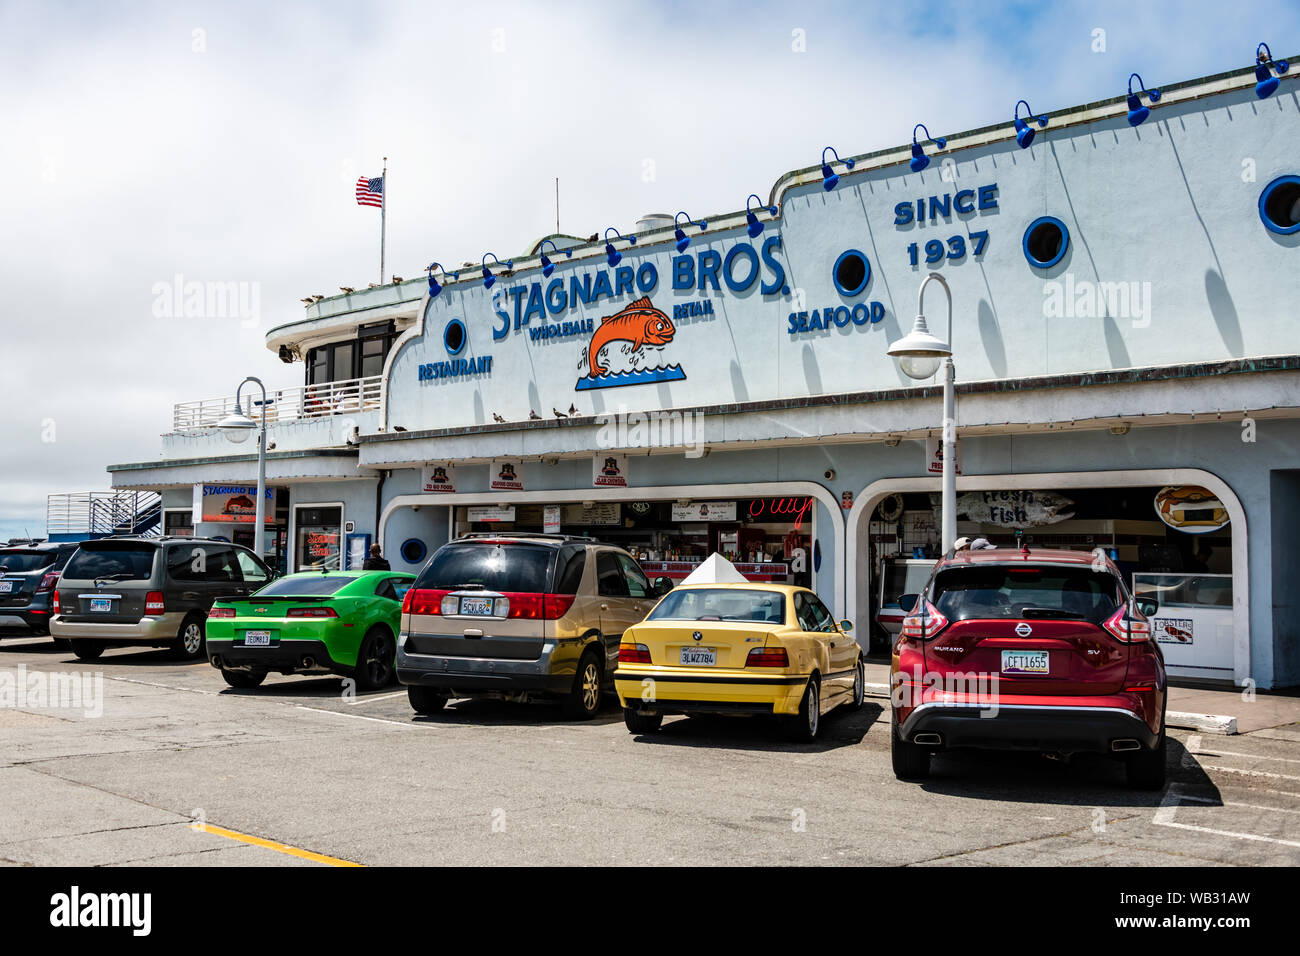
(928, 740)
(216, 661)
(308, 663)
(1125, 743)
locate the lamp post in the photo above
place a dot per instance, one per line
(237, 427)
(919, 354)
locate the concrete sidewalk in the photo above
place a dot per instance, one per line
(1224, 711)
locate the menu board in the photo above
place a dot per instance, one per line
(600, 513)
(705, 511)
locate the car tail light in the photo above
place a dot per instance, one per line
(768, 657)
(54, 602)
(154, 603)
(222, 612)
(48, 582)
(557, 605)
(310, 612)
(1128, 629)
(633, 654)
(537, 606)
(423, 601)
(450, 605)
(925, 625)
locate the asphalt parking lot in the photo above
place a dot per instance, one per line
(180, 769)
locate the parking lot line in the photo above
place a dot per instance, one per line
(1164, 817)
(339, 713)
(1252, 773)
(370, 700)
(273, 845)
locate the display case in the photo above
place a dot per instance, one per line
(1193, 623)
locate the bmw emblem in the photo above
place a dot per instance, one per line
(698, 636)
(1023, 629)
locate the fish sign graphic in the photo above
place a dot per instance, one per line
(627, 339)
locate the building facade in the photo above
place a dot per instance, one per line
(1123, 327)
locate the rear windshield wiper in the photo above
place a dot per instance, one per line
(120, 576)
(1053, 612)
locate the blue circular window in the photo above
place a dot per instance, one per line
(413, 550)
(1279, 205)
(1045, 242)
(454, 337)
(852, 272)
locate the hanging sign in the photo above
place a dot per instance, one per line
(507, 475)
(609, 471)
(600, 513)
(551, 519)
(1015, 509)
(234, 504)
(934, 456)
(489, 513)
(705, 511)
(1190, 508)
(438, 479)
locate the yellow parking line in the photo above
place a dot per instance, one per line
(273, 845)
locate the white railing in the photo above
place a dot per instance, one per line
(284, 404)
(104, 513)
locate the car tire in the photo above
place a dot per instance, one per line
(244, 680)
(87, 650)
(911, 761)
(804, 726)
(190, 641)
(859, 686)
(1145, 770)
(583, 700)
(641, 723)
(425, 700)
(376, 660)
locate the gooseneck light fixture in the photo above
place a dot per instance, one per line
(919, 354)
(434, 287)
(1266, 83)
(1137, 113)
(754, 227)
(919, 159)
(830, 178)
(682, 239)
(547, 265)
(237, 427)
(488, 278)
(613, 256)
(1025, 132)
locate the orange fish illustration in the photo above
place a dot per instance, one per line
(639, 323)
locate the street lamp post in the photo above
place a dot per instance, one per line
(237, 428)
(919, 354)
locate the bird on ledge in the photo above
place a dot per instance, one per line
(533, 416)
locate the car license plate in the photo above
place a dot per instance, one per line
(699, 655)
(1025, 662)
(101, 605)
(257, 638)
(478, 606)
(6, 587)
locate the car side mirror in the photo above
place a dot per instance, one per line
(662, 586)
(846, 626)
(1148, 606)
(907, 602)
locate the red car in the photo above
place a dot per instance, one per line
(1028, 650)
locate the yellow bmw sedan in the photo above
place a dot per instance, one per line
(738, 649)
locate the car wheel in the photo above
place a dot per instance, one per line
(804, 725)
(911, 761)
(641, 723)
(188, 645)
(859, 686)
(375, 662)
(583, 701)
(243, 679)
(1145, 769)
(425, 700)
(87, 650)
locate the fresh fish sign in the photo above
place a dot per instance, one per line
(620, 350)
(1012, 509)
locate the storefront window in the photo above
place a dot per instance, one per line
(319, 538)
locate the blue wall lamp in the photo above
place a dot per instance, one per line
(434, 287)
(614, 256)
(1025, 132)
(830, 178)
(919, 159)
(1137, 113)
(682, 239)
(488, 278)
(1267, 83)
(547, 265)
(755, 228)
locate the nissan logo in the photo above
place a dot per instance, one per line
(698, 636)
(1023, 629)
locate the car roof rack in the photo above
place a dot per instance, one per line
(526, 534)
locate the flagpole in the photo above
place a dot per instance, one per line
(383, 219)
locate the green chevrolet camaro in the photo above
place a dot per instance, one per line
(336, 622)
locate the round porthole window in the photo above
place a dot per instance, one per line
(1279, 205)
(1045, 242)
(413, 550)
(454, 337)
(852, 272)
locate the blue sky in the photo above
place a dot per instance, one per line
(221, 141)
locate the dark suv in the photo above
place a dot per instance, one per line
(1028, 650)
(150, 591)
(27, 576)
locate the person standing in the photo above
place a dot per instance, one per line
(376, 561)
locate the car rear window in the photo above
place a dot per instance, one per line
(721, 604)
(118, 562)
(316, 585)
(995, 592)
(22, 562)
(490, 566)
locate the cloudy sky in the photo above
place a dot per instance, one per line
(220, 143)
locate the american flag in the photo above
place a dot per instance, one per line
(370, 192)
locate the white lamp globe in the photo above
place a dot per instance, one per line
(919, 366)
(237, 427)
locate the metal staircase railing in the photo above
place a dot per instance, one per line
(101, 514)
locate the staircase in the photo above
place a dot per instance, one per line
(103, 514)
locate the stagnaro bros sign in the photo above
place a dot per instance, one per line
(232, 504)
